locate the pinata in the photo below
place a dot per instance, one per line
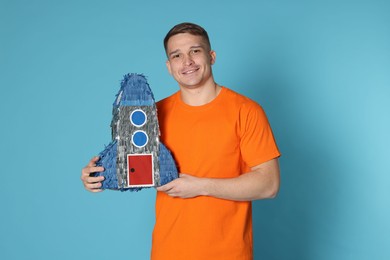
(135, 158)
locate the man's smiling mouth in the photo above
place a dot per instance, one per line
(190, 71)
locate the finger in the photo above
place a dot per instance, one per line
(173, 195)
(96, 190)
(94, 179)
(161, 188)
(95, 185)
(91, 169)
(165, 187)
(95, 169)
(93, 161)
(91, 179)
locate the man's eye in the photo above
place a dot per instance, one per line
(175, 56)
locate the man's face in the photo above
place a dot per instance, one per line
(189, 60)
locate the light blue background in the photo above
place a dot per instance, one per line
(320, 69)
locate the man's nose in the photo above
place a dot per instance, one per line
(188, 60)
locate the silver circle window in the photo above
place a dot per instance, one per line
(138, 117)
(139, 139)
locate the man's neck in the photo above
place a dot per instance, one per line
(199, 96)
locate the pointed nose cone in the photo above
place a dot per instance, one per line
(134, 91)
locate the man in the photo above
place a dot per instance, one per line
(225, 151)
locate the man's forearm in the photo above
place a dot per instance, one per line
(261, 183)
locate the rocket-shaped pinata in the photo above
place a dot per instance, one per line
(135, 158)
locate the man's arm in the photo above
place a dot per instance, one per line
(261, 182)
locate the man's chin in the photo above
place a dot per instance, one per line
(190, 84)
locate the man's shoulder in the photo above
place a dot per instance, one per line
(239, 99)
(166, 101)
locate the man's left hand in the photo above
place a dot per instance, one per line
(187, 186)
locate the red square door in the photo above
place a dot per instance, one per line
(140, 170)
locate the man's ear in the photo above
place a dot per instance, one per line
(168, 64)
(213, 56)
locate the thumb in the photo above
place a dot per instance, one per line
(164, 187)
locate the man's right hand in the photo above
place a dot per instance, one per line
(92, 184)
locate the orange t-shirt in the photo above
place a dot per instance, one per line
(221, 139)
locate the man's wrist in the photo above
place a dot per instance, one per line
(207, 187)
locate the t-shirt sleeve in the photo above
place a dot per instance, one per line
(257, 142)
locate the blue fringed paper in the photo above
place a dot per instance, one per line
(135, 158)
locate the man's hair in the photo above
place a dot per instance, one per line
(190, 28)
